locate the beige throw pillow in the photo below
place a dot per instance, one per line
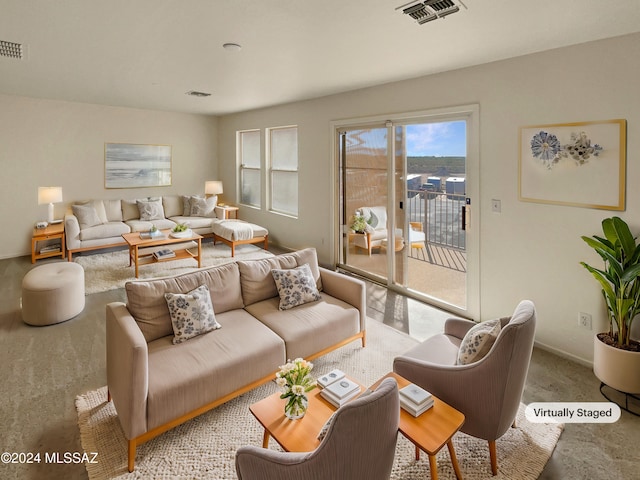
(150, 210)
(86, 215)
(478, 341)
(203, 207)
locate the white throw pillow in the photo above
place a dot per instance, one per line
(478, 341)
(150, 210)
(191, 313)
(86, 215)
(203, 207)
(296, 286)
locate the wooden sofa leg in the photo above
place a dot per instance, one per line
(132, 455)
(108, 396)
(494, 457)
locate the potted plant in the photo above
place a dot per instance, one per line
(358, 224)
(616, 357)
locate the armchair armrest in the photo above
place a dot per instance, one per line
(348, 289)
(127, 369)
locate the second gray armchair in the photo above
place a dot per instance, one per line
(488, 391)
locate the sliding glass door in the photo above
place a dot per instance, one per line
(405, 206)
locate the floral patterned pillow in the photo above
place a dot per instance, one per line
(191, 313)
(296, 286)
(478, 341)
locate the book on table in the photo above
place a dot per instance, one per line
(415, 394)
(415, 410)
(164, 253)
(340, 392)
(157, 235)
(331, 377)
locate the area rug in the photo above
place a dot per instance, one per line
(205, 446)
(108, 271)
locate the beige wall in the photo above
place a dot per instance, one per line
(529, 250)
(44, 142)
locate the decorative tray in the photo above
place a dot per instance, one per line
(186, 234)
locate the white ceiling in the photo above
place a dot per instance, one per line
(148, 53)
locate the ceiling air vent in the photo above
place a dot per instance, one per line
(11, 50)
(195, 93)
(426, 11)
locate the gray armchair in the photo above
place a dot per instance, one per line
(488, 392)
(359, 444)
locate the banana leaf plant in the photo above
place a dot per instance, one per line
(619, 278)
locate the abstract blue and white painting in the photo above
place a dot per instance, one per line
(128, 165)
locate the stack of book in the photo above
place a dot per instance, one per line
(164, 253)
(333, 376)
(50, 249)
(340, 392)
(415, 400)
(155, 235)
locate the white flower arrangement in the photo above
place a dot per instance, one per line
(295, 381)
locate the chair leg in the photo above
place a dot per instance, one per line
(131, 459)
(494, 457)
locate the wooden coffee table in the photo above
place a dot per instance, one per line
(136, 243)
(293, 435)
(431, 430)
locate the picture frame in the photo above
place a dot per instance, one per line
(130, 165)
(579, 164)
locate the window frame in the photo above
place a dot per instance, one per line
(242, 166)
(271, 170)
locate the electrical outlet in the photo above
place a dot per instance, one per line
(584, 320)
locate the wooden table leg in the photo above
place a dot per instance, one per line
(136, 259)
(454, 460)
(265, 439)
(433, 467)
(417, 453)
(199, 252)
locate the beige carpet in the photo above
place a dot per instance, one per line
(205, 446)
(108, 271)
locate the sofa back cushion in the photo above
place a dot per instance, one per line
(130, 210)
(172, 205)
(256, 278)
(113, 209)
(147, 304)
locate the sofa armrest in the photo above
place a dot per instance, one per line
(71, 231)
(127, 369)
(348, 289)
(457, 327)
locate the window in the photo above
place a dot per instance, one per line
(283, 159)
(249, 158)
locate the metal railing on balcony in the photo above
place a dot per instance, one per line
(441, 216)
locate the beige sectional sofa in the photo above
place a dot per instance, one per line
(157, 384)
(100, 224)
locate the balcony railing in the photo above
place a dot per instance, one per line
(441, 217)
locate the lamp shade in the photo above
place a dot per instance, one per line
(49, 195)
(213, 187)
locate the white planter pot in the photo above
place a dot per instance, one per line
(619, 369)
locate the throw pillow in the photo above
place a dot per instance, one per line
(296, 286)
(150, 210)
(186, 205)
(478, 341)
(86, 215)
(203, 207)
(191, 313)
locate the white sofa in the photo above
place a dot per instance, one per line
(100, 224)
(376, 232)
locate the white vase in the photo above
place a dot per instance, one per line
(618, 368)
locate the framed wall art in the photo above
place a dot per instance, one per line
(577, 164)
(128, 165)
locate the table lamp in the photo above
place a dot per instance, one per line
(50, 195)
(213, 187)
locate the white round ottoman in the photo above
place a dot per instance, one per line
(52, 293)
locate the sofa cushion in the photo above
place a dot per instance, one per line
(86, 215)
(203, 207)
(193, 222)
(150, 210)
(256, 278)
(186, 205)
(145, 298)
(209, 366)
(309, 328)
(144, 226)
(104, 230)
(130, 210)
(113, 210)
(478, 341)
(296, 286)
(172, 205)
(191, 313)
